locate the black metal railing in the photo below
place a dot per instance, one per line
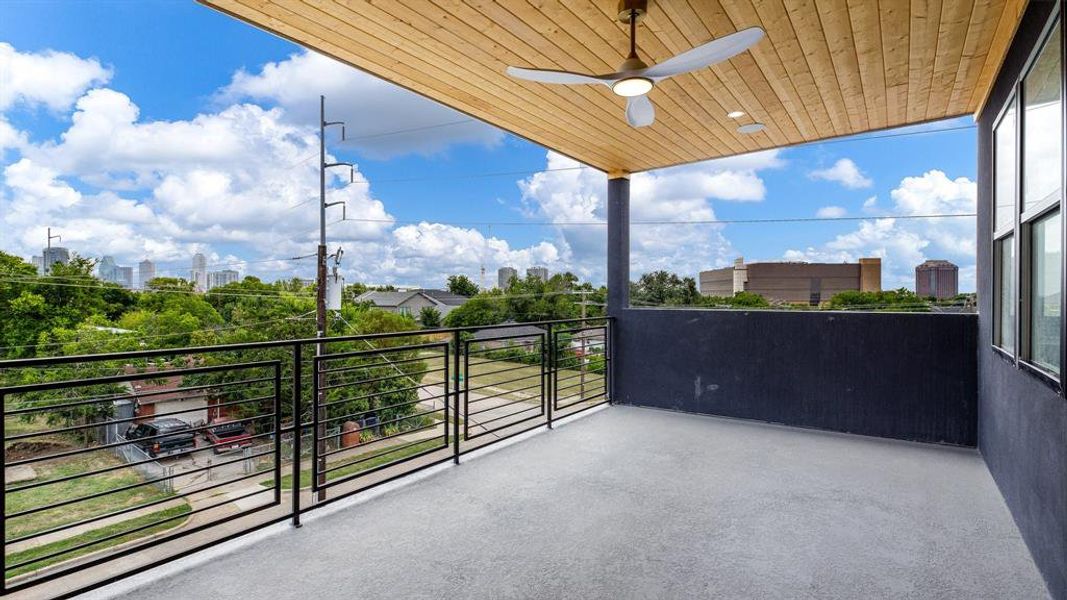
(151, 455)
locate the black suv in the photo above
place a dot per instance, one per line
(175, 436)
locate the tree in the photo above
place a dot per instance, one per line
(462, 285)
(430, 317)
(532, 299)
(899, 300)
(660, 288)
(480, 311)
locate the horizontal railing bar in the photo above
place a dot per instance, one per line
(37, 484)
(164, 500)
(68, 383)
(564, 406)
(499, 406)
(584, 408)
(376, 394)
(488, 350)
(487, 373)
(489, 361)
(129, 531)
(499, 383)
(601, 328)
(363, 458)
(372, 351)
(355, 382)
(387, 363)
(588, 374)
(37, 361)
(595, 383)
(155, 417)
(500, 338)
(136, 396)
(77, 451)
(502, 394)
(389, 422)
(131, 486)
(382, 467)
(382, 408)
(577, 395)
(493, 431)
(383, 438)
(509, 415)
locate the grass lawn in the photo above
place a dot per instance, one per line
(49, 494)
(484, 375)
(305, 475)
(96, 534)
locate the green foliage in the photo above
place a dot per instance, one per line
(532, 299)
(462, 285)
(480, 311)
(900, 300)
(660, 288)
(738, 300)
(430, 317)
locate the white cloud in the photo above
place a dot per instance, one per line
(677, 194)
(844, 172)
(831, 212)
(52, 79)
(903, 243)
(352, 96)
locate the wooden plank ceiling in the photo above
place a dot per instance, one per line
(827, 68)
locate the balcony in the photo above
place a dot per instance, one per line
(640, 503)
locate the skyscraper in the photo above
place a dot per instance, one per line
(38, 263)
(124, 276)
(220, 278)
(146, 271)
(937, 279)
(107, 270)
(198, 274)
(538, 272)
(53, 255)
(504, 275)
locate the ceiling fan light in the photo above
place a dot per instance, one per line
(632, 86)
(751, 128)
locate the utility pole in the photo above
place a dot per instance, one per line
(53, 237)
(320, 285)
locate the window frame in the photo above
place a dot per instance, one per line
(1021, 228)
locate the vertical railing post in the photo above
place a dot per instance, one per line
(316, 405)
(455, 394)
(446, 357)
(297, 431)
(3, 487)
(548, 351)
(609, 364)
(277, 409)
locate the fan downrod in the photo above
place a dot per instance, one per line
(637, 8)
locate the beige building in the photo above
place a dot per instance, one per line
(793, 282)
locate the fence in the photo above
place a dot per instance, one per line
(322, 420)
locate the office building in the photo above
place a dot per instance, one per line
(504, 275)
(146, 271)
(937, 279)
(38, 264)
(53, 255)
(538, 272)
(198, 274)
(219, 278)
(793, 282)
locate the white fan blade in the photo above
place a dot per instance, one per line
(707, 54)
(639, 111)
(550, 76)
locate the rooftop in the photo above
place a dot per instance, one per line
(637, 503)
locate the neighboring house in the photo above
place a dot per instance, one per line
(411, 302)
(522, 336)
(156, 397)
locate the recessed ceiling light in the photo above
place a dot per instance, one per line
(751, 128)
(737, 114)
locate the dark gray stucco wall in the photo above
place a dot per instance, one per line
(1022, 421)
(905, 376)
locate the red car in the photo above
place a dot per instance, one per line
(226, 435)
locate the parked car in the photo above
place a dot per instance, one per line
(227, 435)
(175, 436)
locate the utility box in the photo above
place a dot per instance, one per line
(335, 286)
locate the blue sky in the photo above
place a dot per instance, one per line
(149, 142)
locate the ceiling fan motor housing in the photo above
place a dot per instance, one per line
(628, 7)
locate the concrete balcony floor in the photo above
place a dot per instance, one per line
(640, 503)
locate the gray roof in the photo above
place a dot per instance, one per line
(500, 331)
(391, 299)
(445, 297)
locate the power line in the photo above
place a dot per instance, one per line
(373, 136)
(677, 222)
(35, 281)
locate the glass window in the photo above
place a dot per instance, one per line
(1045, 293)
(1042, 132)
(1004, 170)
(1005, 282)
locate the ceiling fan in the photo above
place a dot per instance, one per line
(635, 79)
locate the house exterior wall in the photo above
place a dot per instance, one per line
(413, 305)
(1022, 420)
